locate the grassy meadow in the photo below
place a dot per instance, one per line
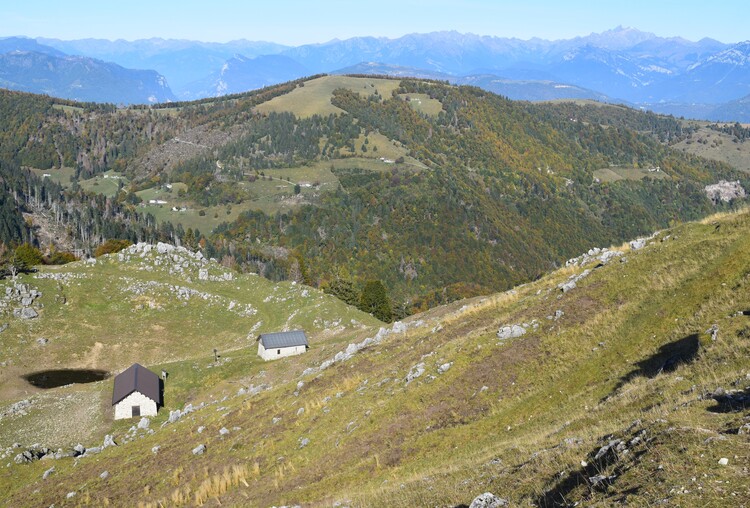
(315, 97)
(440, 410)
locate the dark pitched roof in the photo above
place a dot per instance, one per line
(283, 339)
(136, 378)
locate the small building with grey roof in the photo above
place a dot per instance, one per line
(137, 392)
(272, 346)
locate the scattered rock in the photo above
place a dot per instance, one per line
(155, 449)
(26, 313)
(713, 332)
(104, 475)
(17, 409)
(444, 367)
(144, 423)
(415, 372)
(174, 416)
(510, 332)
(300, 411)
(601, 480)
(572, 282)
(303, 441)
(488, 500)
(223, 431)
(70, 495)
(201, 429)
(79, 449)
(723, 461)
(48, 472)
(199, 450)
(613, 446)
(42, 341)
(92, 451)
(638, 244)
(108, 441)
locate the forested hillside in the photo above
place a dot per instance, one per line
(435, 191)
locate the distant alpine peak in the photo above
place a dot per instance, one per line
(619, 37)
(737, 55)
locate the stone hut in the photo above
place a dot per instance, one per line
(272, 346)
(137, 392)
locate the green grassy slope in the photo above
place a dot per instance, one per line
(151, 308)
(440, 410)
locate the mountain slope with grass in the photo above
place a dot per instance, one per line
(438, 192)
(148, 304)
(619, 379)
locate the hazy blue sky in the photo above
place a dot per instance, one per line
(307, 21)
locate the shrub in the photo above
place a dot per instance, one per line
(111, 246)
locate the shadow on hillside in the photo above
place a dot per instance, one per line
(666, 359)
(731, 402)
(47, 379)
(598, 473)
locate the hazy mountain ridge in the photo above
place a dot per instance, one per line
(240, 74)
(45, 70)
(622, 64)
(182, 61)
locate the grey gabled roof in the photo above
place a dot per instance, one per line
(136, 378)
(283, 339)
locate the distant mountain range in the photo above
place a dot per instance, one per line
(699, 79)
(184, 63)
(31, 67)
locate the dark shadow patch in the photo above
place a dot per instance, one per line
(603, 467)
(623, 499)
(47, 379)
(160, 402)
(666, 359)
(730, 402)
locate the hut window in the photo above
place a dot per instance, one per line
(278, 351)
(136, 410)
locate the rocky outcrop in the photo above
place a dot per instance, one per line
(572, 282)
(510, 332)
(725, 191)
(22, 298)
(488, 500)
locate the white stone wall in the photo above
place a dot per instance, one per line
(274, 354)
(123, 409)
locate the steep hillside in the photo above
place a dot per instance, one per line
(619, 379)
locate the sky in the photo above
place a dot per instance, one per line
(296, 22)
